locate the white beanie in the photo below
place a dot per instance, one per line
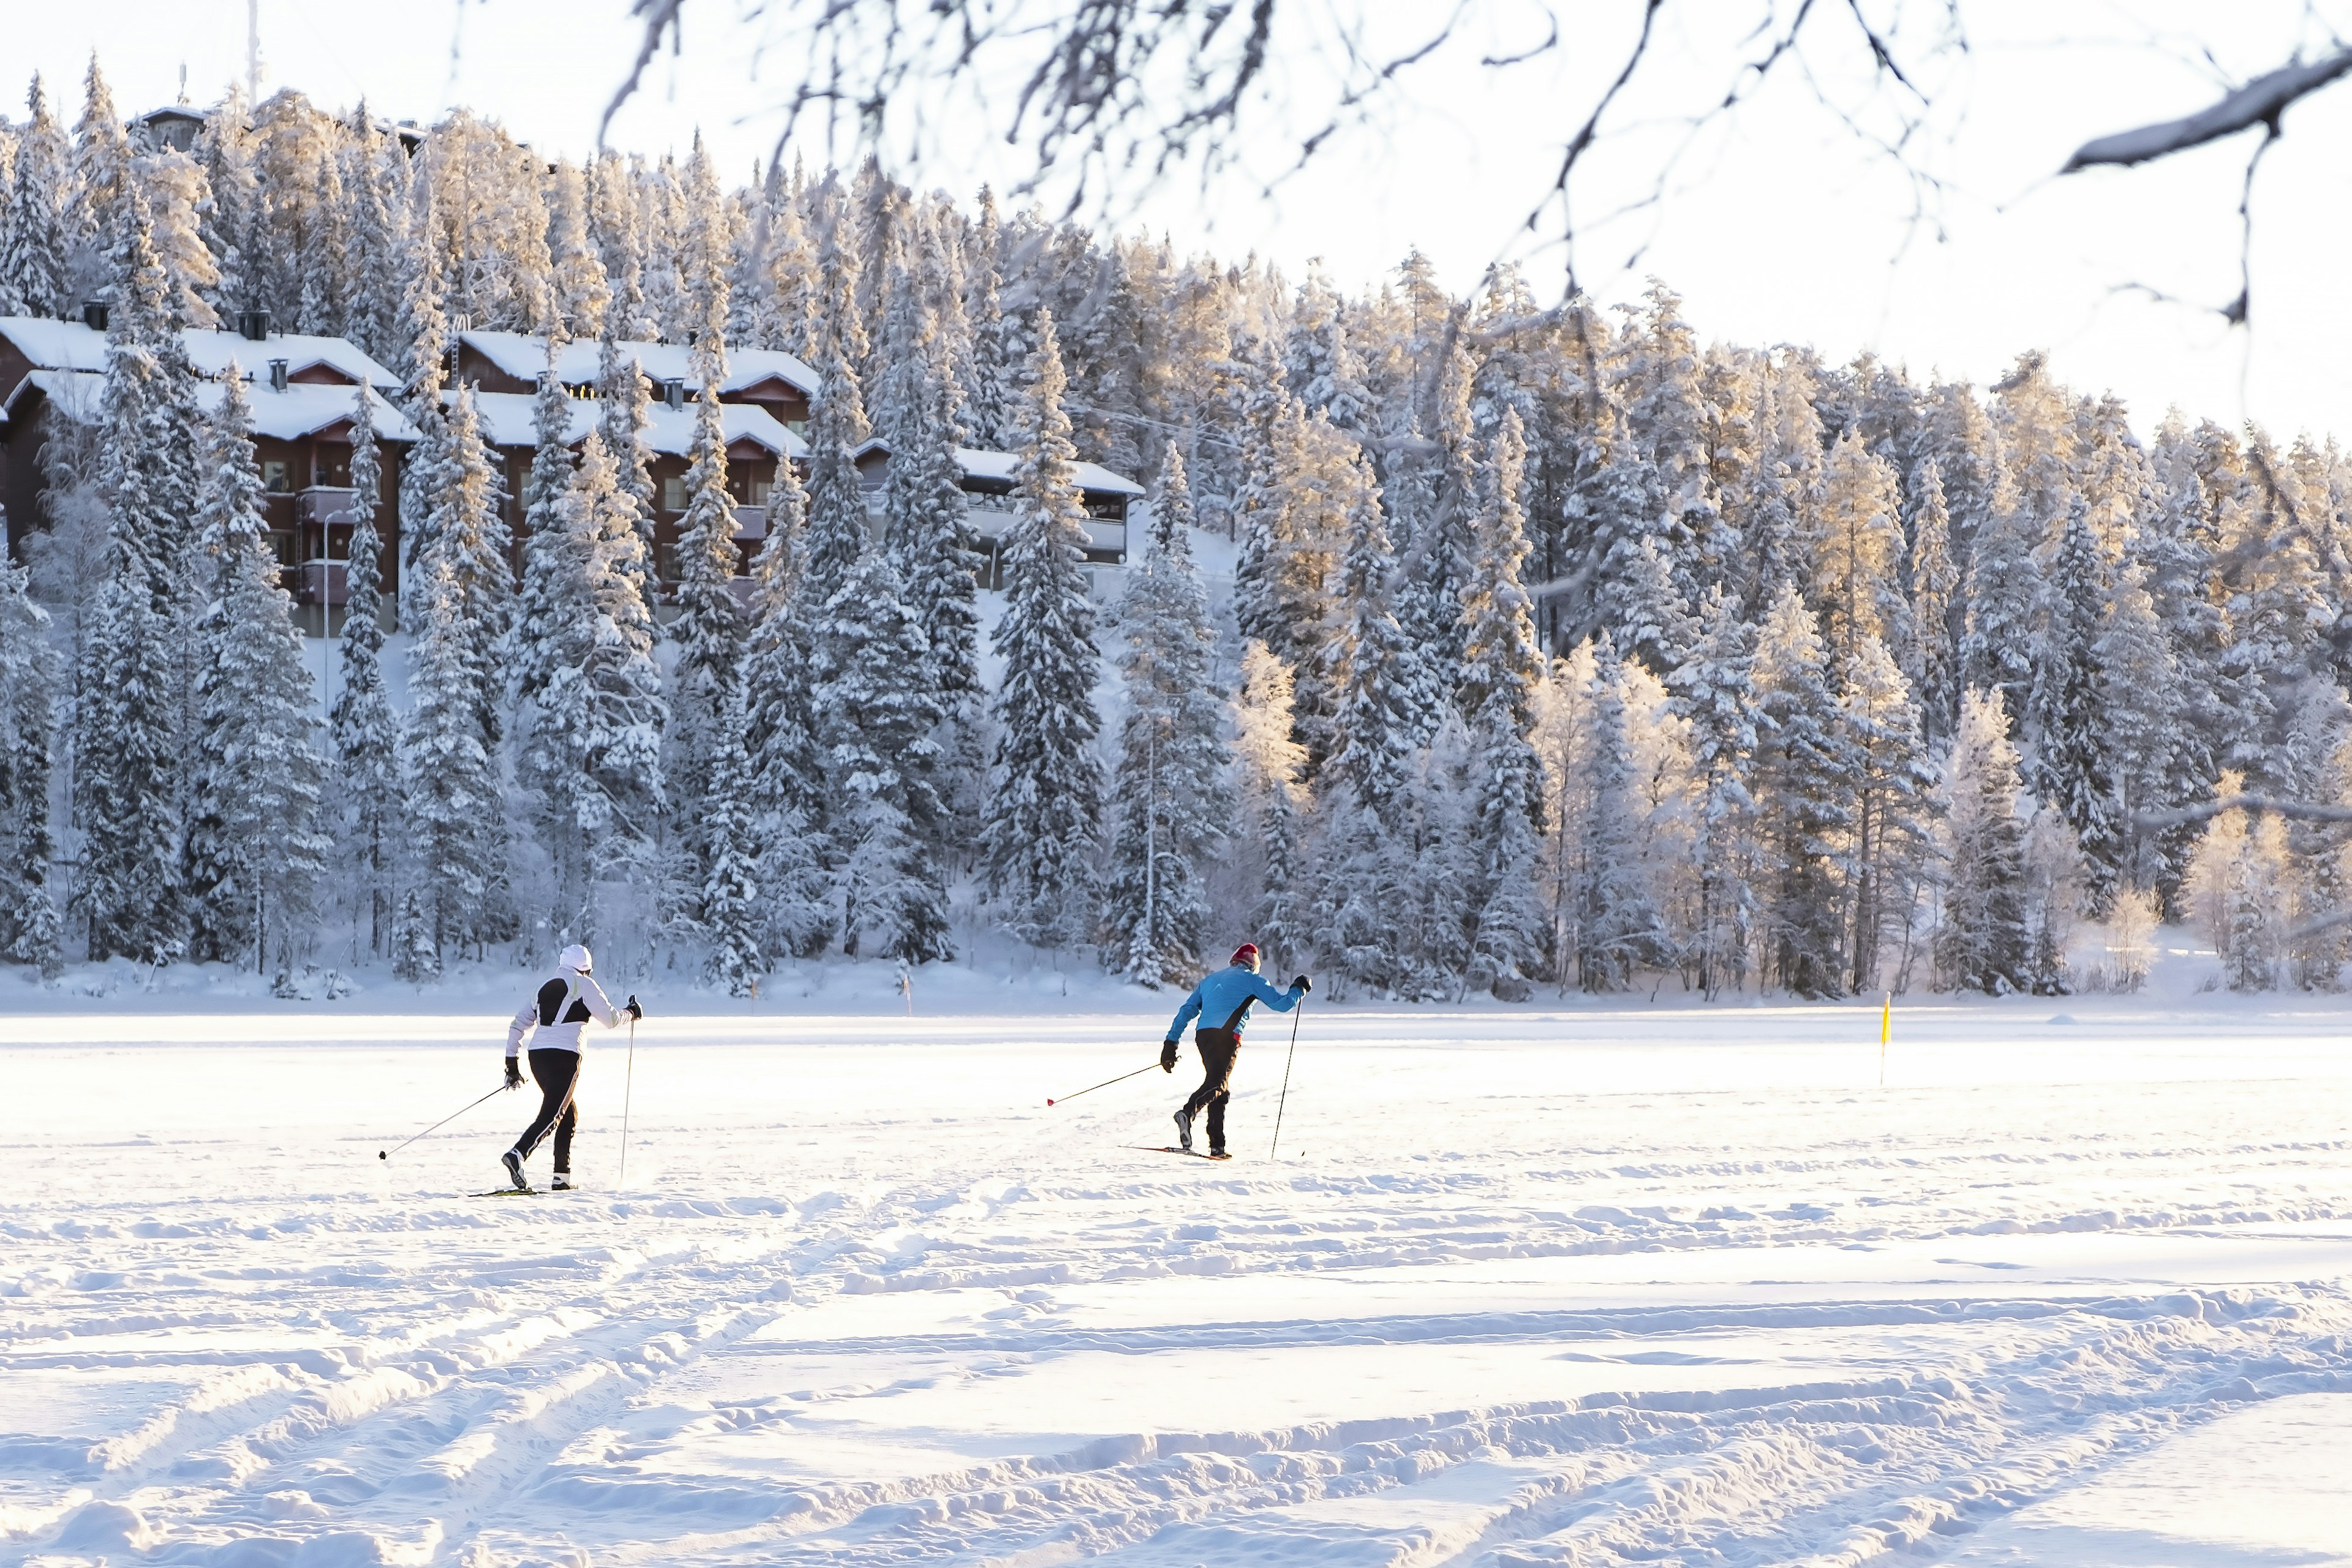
(576, 957)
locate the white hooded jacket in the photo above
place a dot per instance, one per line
(559, 1011)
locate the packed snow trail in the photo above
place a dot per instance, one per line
(1583, 1288)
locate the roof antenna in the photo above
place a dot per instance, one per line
(184, 81)
(253, 51)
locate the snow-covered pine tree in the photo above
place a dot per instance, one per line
(1040, 845)
(257, 849)
(709, 631)
(365, 736)
(786, 794)
(1982, 944)
(127, 743)
(733, 923)
(379, 253)
(426, 471)
(623, 416)
(33, 229)
(1168, 790)
(836, 428)
(577, 282)
(469, 527)
(1618, 929)
(704, 256)
(875, 724)
(30, 929)
(1373, 728)
(2071, 771)
(545, 600)
(1715, 692)
(593, 747)
(1858, 538)
(103, 178)
(1802, 782)
(1934, 671)
(1887, 855)
(1273, 808)
(451, 783)
(1501, 665)
(2140, 704)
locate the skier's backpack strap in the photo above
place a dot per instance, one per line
(572, 992)
(1233, 1024)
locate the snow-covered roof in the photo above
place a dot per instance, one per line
(978, 464)
(521, 355)
(71, 345)
(301, 410)
(507, 421)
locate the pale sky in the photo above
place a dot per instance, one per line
(1778, 226)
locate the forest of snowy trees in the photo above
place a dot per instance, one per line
(1466, 644)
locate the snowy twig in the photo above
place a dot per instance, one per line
(2260, 102)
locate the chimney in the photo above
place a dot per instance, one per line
(673, 393)
(253, 325)
(278, 375)
(93, 314)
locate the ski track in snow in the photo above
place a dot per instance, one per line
(1595, 1290)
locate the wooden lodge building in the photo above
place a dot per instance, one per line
(302, 392)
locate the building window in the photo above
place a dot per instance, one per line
(331, 467)
(282, 546)
(674, 493)
(760, 491)
(277, 477)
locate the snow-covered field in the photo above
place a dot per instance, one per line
(1588, 1285)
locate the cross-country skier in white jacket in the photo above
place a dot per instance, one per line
(559, 1010)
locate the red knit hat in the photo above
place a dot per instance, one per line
(1246, 953)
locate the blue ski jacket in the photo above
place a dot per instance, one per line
(1222, 1000)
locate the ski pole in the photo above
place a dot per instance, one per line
(1104, 1084)
(1286, 1079)
(628, 1084)
(388, 1153)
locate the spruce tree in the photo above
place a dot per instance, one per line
(836, 498)
(1886, 852)
(1934, 669)
(785, 780)
(30, 929)
(1273, 806)
(1168, 790)
(539, 599)
(1715, 692)
(365, 736)
(256, 850)
(594, 749)
(1802, 785)
(709, 631)
(2071, 772)
(875, 723)
(1373, 728)
(730, 894)
(32, 230)
(1618, 929)
(1500, 666)
(622, 417)
(451, 782)
(1982, 944)
(1040, 844)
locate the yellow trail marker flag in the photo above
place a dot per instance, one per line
(1885, 1032)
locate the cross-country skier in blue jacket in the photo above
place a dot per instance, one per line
(1222, 1002)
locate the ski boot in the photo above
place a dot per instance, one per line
(1184, 1129)
(513, 1164)
(561, 1184)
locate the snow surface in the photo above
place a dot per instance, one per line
(508, 421)
(73, 346)
(299, 409)
(1574, 1284)
(578, 361)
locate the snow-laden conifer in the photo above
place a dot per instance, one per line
(365, 736)
(1272, 809)
(1168, 791)
(1715, 692)
(592, 748)
(709, 631)
(1802, 782)
(1981, 941)
(30, 929)
(2071, 771)
(451, 781)
(622, 417)
(876, 718)
(1935, 580)
(1041, 844)
(836, 428)
(1373, 731)
(541, 599)
(32, 228)
(785, 782)
(1887, 855)
(729, 897)
(256, 850)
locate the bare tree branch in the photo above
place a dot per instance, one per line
(2260, 102)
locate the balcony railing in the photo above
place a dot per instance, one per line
(750, 522)
(327, 504)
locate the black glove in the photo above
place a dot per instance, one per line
(1167, 1055)
(631, 1007)
(514, 1072)
(1302, 984)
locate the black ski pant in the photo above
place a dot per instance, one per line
(557, 1073)
(1218, 1048)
